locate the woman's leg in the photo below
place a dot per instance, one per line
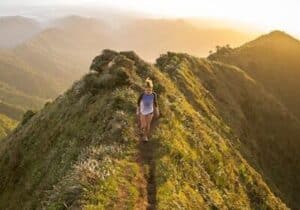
(148, 123)
(143, 124)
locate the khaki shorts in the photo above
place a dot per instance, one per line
(146, 120)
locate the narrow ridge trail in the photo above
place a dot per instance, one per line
(147, 163)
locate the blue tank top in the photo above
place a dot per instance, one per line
(147, 102)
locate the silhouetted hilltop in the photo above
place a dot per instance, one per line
(274, 36)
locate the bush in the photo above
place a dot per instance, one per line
(123, 61)
(100, 62)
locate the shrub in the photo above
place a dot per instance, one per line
(100, 62)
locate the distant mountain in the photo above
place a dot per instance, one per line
(61, 53)
(46, 64)
(64, 51)
(273, 60)
(22, 88)
(16, 73)
(216, 146)
(16, 29)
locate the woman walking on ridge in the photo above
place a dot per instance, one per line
(146, 107)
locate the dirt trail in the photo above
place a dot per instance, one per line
(147, 162)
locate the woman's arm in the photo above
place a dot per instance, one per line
(138, 104)
(156, 105)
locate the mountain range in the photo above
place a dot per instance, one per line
(15, 30)
(40, 60)
(227, 138)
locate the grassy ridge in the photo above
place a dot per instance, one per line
(266, 130)
(273, 61)
(82, 150)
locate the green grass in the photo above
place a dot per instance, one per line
(6, 125)
(82, 150)
(271, 60)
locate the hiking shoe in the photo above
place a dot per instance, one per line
(146, 139)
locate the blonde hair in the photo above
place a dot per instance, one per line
(148, 83)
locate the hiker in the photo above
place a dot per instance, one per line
(146, 108)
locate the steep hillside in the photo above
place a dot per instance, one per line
(46, 65)
(272, 60)
(82, 150)
(9, 117)
(21, 76)
(6, 126)
(268, 132)
(18, 99)
(11, 111)
(21, 88)
(16, 29)
(57, 55)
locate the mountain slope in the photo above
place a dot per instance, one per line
(82, 150)
(19, 75)
(21, 88)
(56, 56)
(272, 60)
(6, 126)
(18, 99)
(16, 29)
(11, 111)
(46, 65)
(268, 132)
(67, 47)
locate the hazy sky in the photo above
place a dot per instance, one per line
(268, 15)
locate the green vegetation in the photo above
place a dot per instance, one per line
(16, 99)
(11, 111)
(272, 60)
(82, 150)
(266, 132)
(6, 125)
(20, 89)
(19, 75)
